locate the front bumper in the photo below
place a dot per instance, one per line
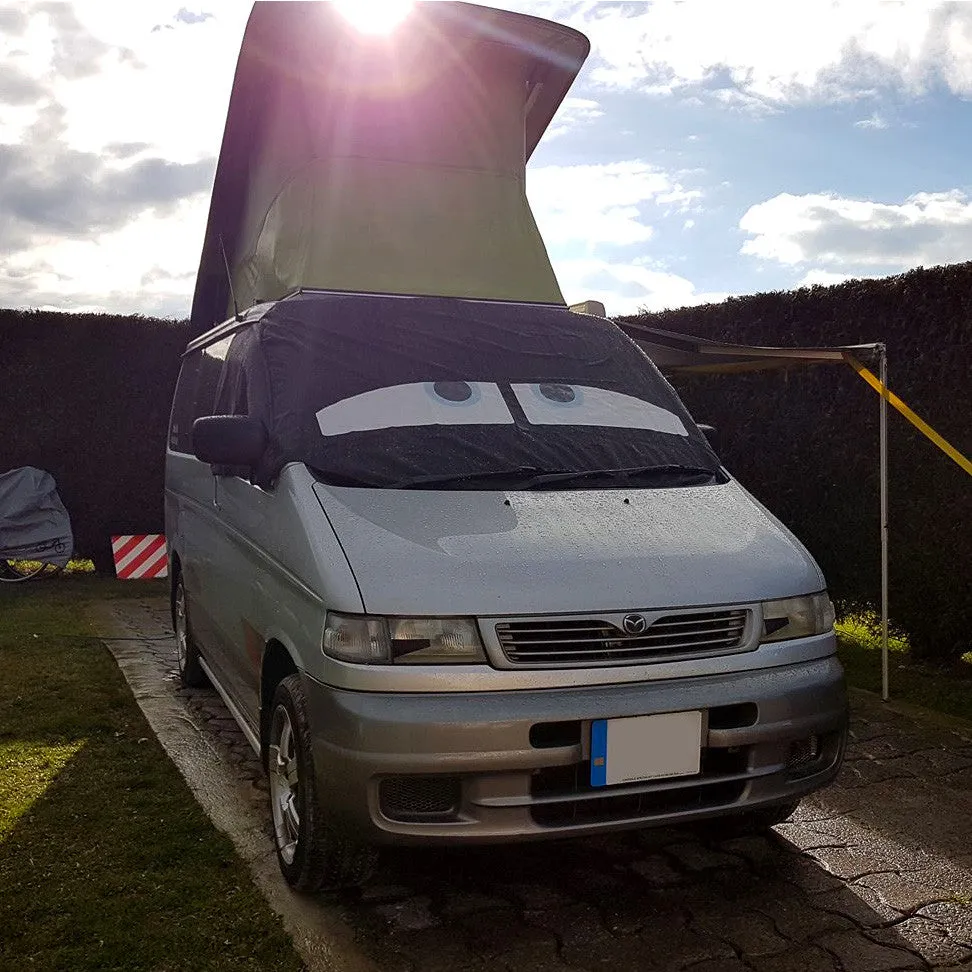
(502, 766)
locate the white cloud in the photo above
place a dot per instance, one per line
(573, 113)
(875, 122)
(172, 94)
(110, 115)
(823, 278)
(626, 288)
(778, 52)
(928, 228)
(600, 204)
(590, 209)
(147, 266)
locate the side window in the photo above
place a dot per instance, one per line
(231, 395)
(195, 392)
(183, 405)
(210, 368)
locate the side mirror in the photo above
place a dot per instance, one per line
(229, 440)
(711, 434)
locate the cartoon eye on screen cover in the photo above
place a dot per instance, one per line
(482, 403)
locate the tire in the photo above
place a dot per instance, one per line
(187, 654)
(311, 850)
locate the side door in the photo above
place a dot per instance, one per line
(240, 563)
(246, 576)
(200, 530)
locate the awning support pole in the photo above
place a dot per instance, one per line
(883, 374)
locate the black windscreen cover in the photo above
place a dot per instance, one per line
(320, 349)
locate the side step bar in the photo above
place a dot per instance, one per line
(251, 737)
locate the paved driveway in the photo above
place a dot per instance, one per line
(873, 874)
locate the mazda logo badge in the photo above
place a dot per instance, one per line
(634, 624)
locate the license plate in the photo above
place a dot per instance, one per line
(651, 747)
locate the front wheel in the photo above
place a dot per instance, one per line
(311, 851)
(187, 654)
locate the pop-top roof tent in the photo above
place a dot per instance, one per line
(396, 165)
(384, 164)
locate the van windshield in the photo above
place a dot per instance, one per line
(425, 393)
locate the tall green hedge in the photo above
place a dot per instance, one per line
(805, 441)
(86, 397)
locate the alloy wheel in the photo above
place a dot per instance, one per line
(284, 783)
(181, 627)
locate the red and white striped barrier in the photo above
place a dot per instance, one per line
(140, 556)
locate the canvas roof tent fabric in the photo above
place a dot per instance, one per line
(384, 165)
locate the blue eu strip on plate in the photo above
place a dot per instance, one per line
(599, 752)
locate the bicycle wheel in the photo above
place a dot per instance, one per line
(13, 571)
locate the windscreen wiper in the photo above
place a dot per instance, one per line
(492, 478)
(672, 474)
(530, 477)
(330, 477)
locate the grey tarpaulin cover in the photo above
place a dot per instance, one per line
(443, 386)
(34, 525)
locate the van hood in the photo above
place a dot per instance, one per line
(481, 553)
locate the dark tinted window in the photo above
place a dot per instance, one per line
(195, 392)
(232, 396)
(212, 358)
(183, 405)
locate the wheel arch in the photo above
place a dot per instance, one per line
(278, 662)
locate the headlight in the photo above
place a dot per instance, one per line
(417, 641)
(797, 617)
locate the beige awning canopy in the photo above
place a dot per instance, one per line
(674, 352)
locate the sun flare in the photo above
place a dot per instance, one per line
(374, 16)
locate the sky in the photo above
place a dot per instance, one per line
(707, 148)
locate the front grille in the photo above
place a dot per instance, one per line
(595, 641)
(420, 798)
(563, 795)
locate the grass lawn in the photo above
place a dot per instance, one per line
(947, 690)
(106, 860)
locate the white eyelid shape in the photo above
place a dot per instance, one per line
(416, 404)
(559, 403)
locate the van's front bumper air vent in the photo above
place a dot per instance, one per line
(552, 642)
(420, 799)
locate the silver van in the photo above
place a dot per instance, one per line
(467, 571)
